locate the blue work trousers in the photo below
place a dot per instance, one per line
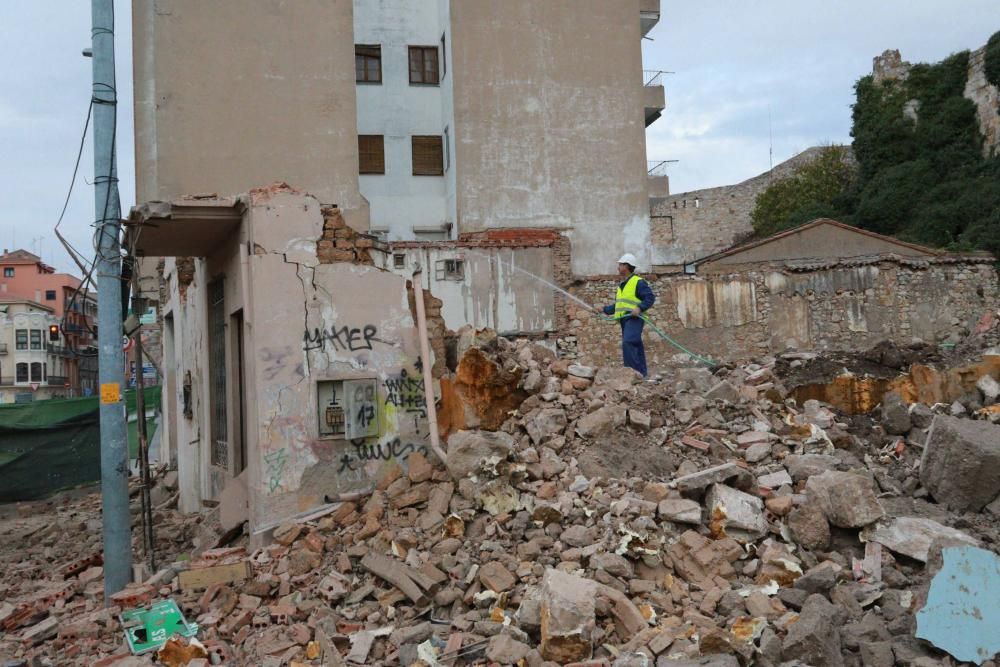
(633, 353)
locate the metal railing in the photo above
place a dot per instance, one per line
(57, 380)
(653, 77)
(658, 167)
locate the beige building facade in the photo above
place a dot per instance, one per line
(34, 364)
(457, 116)
(273, 177)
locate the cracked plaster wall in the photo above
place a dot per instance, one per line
(306, 319)
(315, 321)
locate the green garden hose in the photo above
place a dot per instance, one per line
(662, 334)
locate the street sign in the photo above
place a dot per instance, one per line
(34, 386)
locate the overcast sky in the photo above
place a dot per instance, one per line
(735, 61)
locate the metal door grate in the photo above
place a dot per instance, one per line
(217, 371)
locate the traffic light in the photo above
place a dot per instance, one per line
(53, 332)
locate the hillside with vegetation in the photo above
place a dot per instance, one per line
(918, 171)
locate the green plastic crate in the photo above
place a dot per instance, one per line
(149, 628)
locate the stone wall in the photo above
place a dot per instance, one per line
(691, 225)
(770, 308)
(986, 96)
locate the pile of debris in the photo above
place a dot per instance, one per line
(703, 518)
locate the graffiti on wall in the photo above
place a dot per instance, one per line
(274, 469)
(406, 392)
(363, 452)
(342, 338)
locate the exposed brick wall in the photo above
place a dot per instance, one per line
(937, 301)
(340, 243)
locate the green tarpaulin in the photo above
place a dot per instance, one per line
(50, 445)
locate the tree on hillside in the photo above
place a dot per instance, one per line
(921, 173)
(816, 190)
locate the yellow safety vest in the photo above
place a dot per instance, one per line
(626, 298)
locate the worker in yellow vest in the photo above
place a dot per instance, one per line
(634, 297)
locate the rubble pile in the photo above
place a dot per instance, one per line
(702, 518)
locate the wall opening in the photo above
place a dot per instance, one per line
(239, 419)
(217, 372)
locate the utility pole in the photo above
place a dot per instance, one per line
(111, 371)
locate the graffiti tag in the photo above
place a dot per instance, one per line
(365, 452)
(275, 464)
(343, 339)
(406, 393)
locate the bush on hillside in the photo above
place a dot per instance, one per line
(811, 192)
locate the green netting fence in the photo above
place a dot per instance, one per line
(46, 446)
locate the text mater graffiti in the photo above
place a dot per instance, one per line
(345, 338)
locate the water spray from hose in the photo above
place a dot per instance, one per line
(662, 334)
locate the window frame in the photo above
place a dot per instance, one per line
(365, 63)
(444, 56)
(21, 339)
(450, 269)
(446, 150)
(36, 344)
(371, 169)
(423, 72)
(48, 292)
(18, 368)
(424, 169)
(8, 272)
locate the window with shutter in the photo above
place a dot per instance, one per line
(424, 65)
(368, 63)
(371, 154)
(428, 157)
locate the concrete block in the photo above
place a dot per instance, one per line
(961, 463)
(740, 513)
(567, 616)
(847, 499)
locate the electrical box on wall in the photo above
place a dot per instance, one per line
(348, 409)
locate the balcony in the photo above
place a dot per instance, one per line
(649, 15)
(659, 181)
(60, 350)
(653, 94)
(57, 381)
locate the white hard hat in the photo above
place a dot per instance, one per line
(628, 258)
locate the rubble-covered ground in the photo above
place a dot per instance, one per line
(703, 518)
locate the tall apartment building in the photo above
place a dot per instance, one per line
(25, 277)
(456, 116)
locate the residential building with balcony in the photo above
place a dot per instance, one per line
(34, 364)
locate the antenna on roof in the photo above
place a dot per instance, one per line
(770, 142)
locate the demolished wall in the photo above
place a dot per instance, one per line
(325, 344)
